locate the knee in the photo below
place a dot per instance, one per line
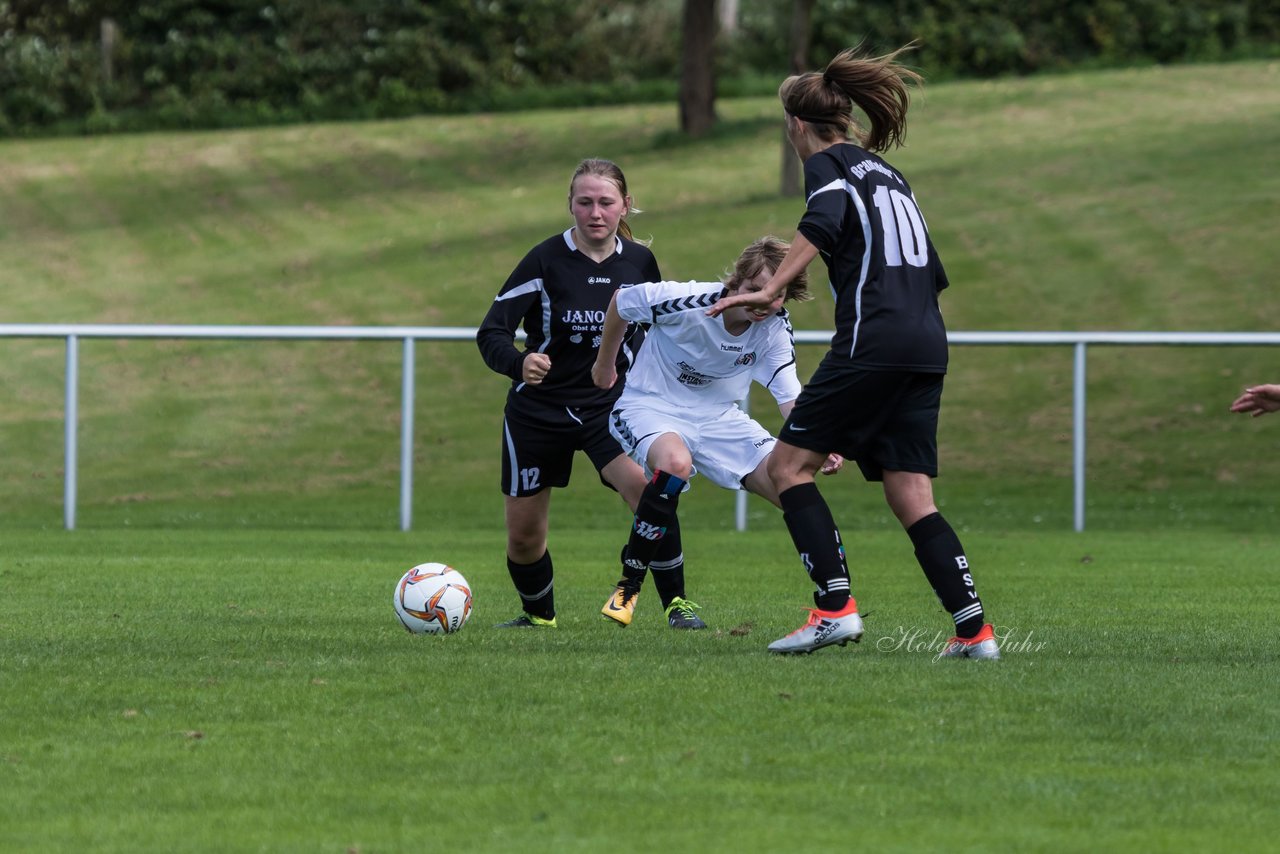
(783, 474)
(525, 549)
(526, 543)
(675, 463)
(682, 469)
(911, 500)
(905, 512)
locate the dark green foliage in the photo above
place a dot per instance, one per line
(992, 37)
(217, 63)
(209, 63)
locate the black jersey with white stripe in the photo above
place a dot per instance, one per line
(885, 274)
(559, 296)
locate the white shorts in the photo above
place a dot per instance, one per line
(726, 447)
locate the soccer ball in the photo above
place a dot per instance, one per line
(432, 599)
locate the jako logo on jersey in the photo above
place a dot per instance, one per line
(577, 317)
(648, 531)
(746, 359)
(599, 280)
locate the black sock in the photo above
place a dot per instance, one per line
(653, 516)
(944, 563)
(817, 539)
(633, 572)
(533, 582)
(668, 565)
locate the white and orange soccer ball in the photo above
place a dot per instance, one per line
(433, 599)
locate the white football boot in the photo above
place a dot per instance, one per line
(824, 628)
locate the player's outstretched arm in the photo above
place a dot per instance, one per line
(1258, 400)
(604, 373)
(801, 253)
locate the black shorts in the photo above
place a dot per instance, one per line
(880, 419)
(540, 439)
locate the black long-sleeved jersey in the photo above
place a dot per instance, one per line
(559, 296)
(884, 271)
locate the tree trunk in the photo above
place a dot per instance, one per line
(109, 36)
(729, 17)
(697, 68)
(798, 48)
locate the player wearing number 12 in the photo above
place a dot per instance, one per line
(558, 293)
(875, 396)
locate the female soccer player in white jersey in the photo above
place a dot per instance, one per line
(678, 415)
(559, 292)
(875, 396)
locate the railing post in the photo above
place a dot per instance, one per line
(1077, 433)
(71, 419)
(406, 436)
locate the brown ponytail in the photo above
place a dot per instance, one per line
(879, 86)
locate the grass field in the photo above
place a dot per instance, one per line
(235, 691)
(211, 663)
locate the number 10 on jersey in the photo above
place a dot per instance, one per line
(904, 232)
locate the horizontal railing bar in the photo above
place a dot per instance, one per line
(1054, 338)
(112, 330)
(464, 333)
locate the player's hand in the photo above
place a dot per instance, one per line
(604, 374)
(834, 463)
(535, 368)
(755, 299)
(1258, 400)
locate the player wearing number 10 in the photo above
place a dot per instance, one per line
(875, 396)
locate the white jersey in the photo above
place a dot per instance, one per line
(689, 361)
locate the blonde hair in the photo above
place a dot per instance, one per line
(768, 252)
(609, 171)
(880, 86)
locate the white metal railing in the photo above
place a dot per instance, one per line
(72, 333)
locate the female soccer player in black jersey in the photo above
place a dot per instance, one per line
(559, 293)
(875, 396)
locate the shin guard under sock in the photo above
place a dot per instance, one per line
(534, 583)
(817, 539)
(668, 565)
(654, 513)
(943, 560)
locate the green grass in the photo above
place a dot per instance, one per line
(1142, 199)
(235, 691)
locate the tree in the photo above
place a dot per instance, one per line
(797, 60)
(697, 68)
